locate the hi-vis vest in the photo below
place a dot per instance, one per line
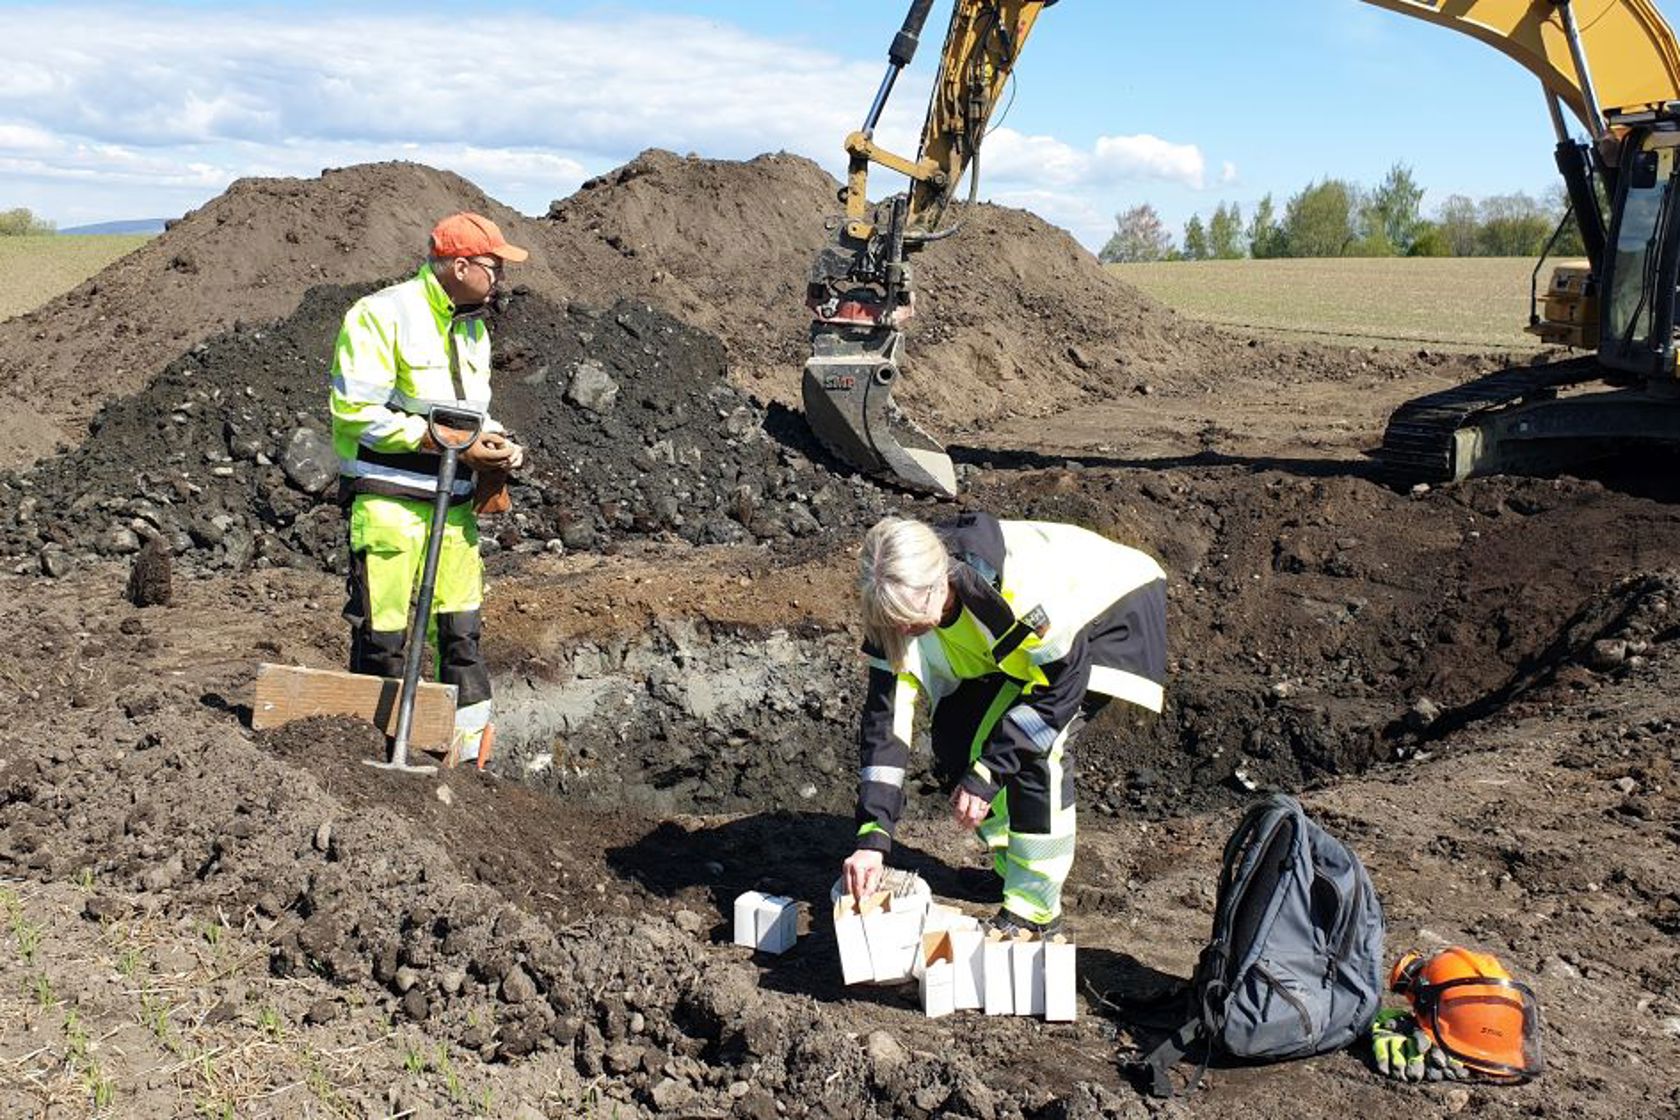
(1059, 609)
(1055, 580)
(401, 351)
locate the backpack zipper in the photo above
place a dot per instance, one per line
(1289, 997)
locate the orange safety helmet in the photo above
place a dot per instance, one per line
(1472, 1009)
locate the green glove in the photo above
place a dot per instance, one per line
(1393, 1044)
(1404, 1052)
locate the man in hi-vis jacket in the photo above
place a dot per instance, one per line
(1014, 632)
(402, 350)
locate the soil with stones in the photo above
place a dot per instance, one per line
(1471, 684)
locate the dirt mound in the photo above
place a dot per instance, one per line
(1015, 317)
(246, 256)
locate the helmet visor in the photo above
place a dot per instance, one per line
(1491, 1025)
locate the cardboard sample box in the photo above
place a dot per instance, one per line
(894, 933)
(767, 923)
(938, 975)
(855, 965)
(1061, 1004)
(998, 978)
(1026, 965)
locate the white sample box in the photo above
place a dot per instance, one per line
(855, 966)
(938, 976)
(767, 923)
(998, 993)
(969, 981)
(1026, 964)
(1060, 1004)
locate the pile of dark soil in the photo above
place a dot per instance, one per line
(633, 426)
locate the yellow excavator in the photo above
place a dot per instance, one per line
(1613, 64)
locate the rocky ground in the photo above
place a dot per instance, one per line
(1471, 684)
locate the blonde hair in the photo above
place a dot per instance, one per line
(900, 566)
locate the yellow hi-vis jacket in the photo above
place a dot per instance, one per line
(402, 350)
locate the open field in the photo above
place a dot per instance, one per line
(51, 264)
(1461, 303)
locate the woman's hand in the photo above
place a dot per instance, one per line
(969, 809)
(862, 872)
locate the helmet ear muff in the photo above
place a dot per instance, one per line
(1403, 979)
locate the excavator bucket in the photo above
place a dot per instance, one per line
(847, 391)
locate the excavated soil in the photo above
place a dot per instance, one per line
(1471, 684)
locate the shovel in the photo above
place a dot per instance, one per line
(453, 430)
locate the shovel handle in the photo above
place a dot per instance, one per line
(454, 428)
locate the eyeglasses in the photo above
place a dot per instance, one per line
(494, 268)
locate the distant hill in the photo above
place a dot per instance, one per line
(133, 225)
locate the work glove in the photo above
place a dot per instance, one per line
(1404, 1052)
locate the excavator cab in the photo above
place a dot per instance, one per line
(1640, 267)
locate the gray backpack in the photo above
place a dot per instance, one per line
(1294, 967)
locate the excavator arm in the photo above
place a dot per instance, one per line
(861, 288)
(1603, 59)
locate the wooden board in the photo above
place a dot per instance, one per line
(288, 692)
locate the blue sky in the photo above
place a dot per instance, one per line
(147, 110)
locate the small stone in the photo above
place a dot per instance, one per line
(415, 1005)
(671, 1094)
(517, 986)
(885, 1050)
(321, 1012)
(1627, 785)
(309, 460)
(446, 795)
(405, 979)
(689, 922)
(323, 836)
(1606, 654)
(1422, 713)
(591, 387)
(451, 981)
(56, 563)
(1457, 1100)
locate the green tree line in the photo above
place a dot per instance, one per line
(1337, 218)
(18, 222)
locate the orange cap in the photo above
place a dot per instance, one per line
(472, 235)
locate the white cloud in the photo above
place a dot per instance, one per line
(1228, 173)
(163, 106)
(1045, 161)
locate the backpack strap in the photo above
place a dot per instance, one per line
(1168, 1053)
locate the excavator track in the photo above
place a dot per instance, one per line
(1421, 441)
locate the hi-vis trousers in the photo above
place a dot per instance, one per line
(387, 552)
(1031, 827)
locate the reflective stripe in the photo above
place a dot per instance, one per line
(379, 429)
(1127, 686)
(904, 711)
(378, 472)
(363, 392)
(1032, 847)
(419, 406)
(883, 775)
(868, 827)
(983, 772)
(1035, 726)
